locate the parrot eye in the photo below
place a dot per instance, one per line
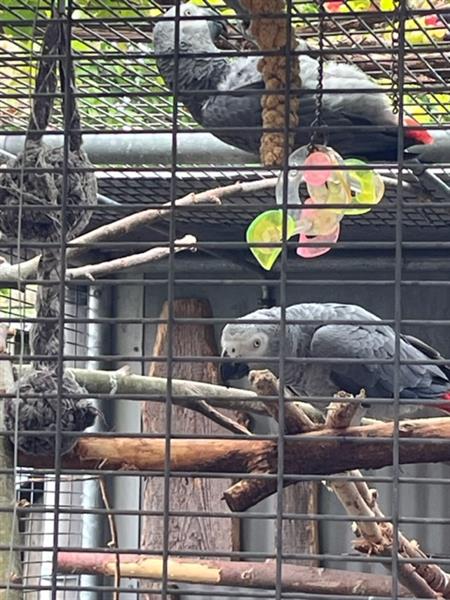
(256, 343)
(187, 13)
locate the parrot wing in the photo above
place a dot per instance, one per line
(377, 343)
(236, 119)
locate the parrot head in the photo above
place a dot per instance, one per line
(244, 342)
(193, 26)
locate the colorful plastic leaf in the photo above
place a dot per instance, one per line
(317, 177)
(318, 221)
(315, 251)
(268, 228)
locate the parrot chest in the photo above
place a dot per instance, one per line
(312, 380)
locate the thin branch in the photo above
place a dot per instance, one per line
(125, 226)
(116, 265)
(217, 417)
(260, 575)
(114, 543)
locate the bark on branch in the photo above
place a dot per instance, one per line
(320, 452)
(185, 393)
(20, 272)
(188, 242)
(375, 538)
(262, 575)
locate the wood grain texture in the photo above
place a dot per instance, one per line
(203, 532)
(308, 580)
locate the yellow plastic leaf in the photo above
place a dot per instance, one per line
(268, 228)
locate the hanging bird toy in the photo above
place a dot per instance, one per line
(332, 193)
(36, 179)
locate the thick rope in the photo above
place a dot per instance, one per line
(33, 407)
(271, 33)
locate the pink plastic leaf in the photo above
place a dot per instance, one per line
(315, 251)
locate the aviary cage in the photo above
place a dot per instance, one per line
(177, 488)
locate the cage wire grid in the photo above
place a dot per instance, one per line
(147, 151)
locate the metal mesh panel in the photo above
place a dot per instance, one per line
(159, 447)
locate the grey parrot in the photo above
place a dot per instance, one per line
(244, 346)
(358, 124)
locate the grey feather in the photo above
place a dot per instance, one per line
(315, 338)
(236, 118)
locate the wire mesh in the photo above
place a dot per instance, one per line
(194, 483)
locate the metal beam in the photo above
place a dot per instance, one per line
(146, 148)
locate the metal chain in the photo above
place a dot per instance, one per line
(394, 68)
(317, 122)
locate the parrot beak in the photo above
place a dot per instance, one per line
(232, 370)
(217, 26)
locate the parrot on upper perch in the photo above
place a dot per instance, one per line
(366, 126)
(245, 345)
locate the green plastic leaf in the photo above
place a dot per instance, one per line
(268, 228)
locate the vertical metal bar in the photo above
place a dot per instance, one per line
(395, 506)
(170, 298)
(96, 344)
(67, 59)
(283, 301)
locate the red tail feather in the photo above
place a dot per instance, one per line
(421, 135)
(444, 405)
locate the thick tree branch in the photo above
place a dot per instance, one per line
(322, 452)
(184, 393)
(424, 581)
(359, 501)
(247, 492)
(262, 575)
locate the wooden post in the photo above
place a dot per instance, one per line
(10, 564)
(193, 494)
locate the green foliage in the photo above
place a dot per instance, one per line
(14, 303)
(117, 75)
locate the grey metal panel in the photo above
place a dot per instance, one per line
(146, 148)
(417, 500)
(127, 338)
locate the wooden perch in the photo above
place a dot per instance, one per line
(309, 453)
(262, 575)
(188, 242)
(185, 393)
(376, 538)
(113, 231)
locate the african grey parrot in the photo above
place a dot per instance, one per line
(242, 343)
(235, 117)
